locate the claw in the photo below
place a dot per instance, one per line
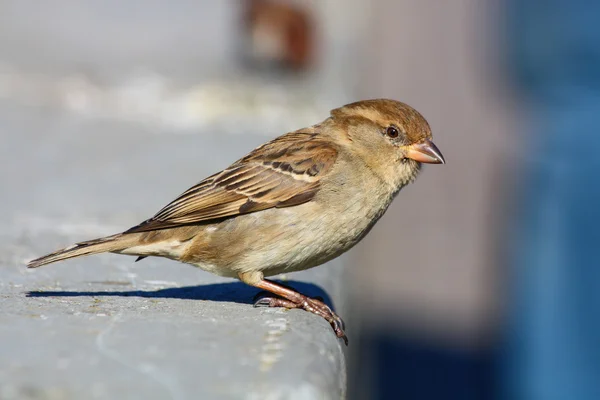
(263, 302)
(260, 295)
(274, 302)
(335, 317)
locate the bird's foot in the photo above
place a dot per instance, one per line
(313, 305)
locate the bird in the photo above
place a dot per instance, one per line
(293, 203)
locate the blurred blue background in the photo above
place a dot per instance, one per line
(481, 282)
(553, 324)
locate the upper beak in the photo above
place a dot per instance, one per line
(425, 152)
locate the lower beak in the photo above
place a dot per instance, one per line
(425, 152)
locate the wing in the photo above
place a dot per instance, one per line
(282, 173)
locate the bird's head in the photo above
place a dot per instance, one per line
(391, 137)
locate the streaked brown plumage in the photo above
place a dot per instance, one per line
(282, 173)
(293, 203)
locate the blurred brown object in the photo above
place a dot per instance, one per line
(278, 33)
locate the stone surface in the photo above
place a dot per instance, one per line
(104, 327)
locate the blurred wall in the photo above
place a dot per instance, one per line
(429, 267)
(429, 278)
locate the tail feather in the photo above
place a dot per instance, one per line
(89, 247)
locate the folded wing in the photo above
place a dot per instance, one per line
(282, 173)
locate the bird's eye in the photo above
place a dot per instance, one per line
(392, 132)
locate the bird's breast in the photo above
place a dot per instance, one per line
(324, 229)
(292, 238)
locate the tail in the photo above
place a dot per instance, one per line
(102, 245)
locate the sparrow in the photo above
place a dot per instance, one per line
(294, 203)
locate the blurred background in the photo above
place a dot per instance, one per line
(482, 280)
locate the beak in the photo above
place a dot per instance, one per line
(425, 152)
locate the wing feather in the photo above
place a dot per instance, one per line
(282, 173)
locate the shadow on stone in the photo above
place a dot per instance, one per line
(235, 292)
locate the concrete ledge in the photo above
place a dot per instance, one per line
(104, 327)
(131, 334)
